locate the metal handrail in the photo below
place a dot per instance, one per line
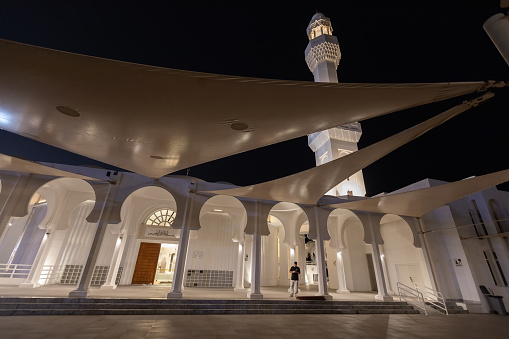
(433, 297)
(50, 274)
(411, 294)
(14, 270)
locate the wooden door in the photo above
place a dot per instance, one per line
(146, 264)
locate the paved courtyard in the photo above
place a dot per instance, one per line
(256, 326)
(292, 326)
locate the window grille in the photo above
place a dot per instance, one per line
(162, 217)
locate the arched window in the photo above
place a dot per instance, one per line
(162, 217)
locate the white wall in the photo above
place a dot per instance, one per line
(332, 266)
(269, 265)
(399, 250)
(354, 256)
(214, 241)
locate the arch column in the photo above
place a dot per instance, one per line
(292, 260)
(17, 189)
(376, 241)
(386, 274)
(190, 221)
(239, 277)
(107, 194)
(32, 280)
(257, 214)
(427, 256)
(318, 231)
(110, 283)
(254, 292)
(341, 274)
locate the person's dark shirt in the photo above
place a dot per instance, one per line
(295, 270)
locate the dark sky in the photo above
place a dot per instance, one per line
(380, 41)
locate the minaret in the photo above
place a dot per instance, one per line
(322, 57)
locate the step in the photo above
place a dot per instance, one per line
(452, 308)
(191, 306)
(190, 301)
(197, 311)
(97, 306)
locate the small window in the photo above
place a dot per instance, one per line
(162, 217)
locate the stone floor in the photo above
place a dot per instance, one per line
(259, 326)
(239, 326)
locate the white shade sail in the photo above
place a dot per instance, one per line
(155, 121)
(419, 202)
(8, 163)
(309, 186)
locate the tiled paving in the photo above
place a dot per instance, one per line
(240, 326)
(259, 326)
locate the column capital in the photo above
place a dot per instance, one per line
(317, 218)
(257, 214)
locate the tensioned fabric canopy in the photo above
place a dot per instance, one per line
(307, 187)
(419, 202)
(155, 121)
(8, 163)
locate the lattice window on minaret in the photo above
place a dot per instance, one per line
(325, 51)
(162, 217)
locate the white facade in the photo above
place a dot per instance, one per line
(457, 249)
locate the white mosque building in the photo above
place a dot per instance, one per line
(92, 227)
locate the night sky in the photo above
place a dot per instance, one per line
(380, 41)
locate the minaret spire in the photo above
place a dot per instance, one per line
(322, 52)
(322, 57)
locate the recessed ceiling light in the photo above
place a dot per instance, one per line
(239, 126)
(68, 111)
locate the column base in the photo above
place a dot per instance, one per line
(28, 285)
(384, 297)
(255, 296)
(342, 291)
(326, 296)
(239, 289)
(78, 294)
(174, 295)
(108, 287)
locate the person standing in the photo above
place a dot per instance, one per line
(294, 281)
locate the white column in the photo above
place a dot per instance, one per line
(322, 269)
(427, 257)
(190, 216)
(386, 274)
(379, 273)
(239, 276)
(13, 187)
(254, 292)
(341, 274)
(38, 265)
(180, 265)
(115, 263)
(82, 288)
(292, 260)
